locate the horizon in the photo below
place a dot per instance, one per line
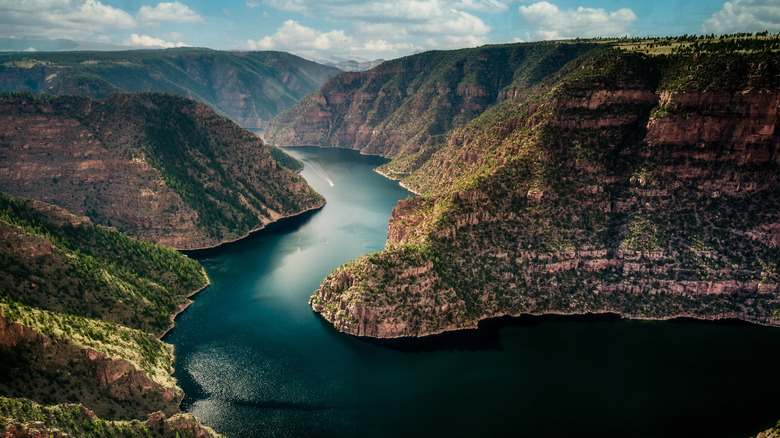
(361, 31)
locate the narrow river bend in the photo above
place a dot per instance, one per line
(255, 361)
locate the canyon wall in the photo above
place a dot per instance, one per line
(158, 167)
(405, 106)
(640, 185)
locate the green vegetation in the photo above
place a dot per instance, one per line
(284, 159)
(91, 271)
(75, 420)
(81, 311)
(420, 98)
(143, 350)
(701, 44)
(169, 126)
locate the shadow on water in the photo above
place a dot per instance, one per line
(486, 337)
(488, 334)
(282, 226)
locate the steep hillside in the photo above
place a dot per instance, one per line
(646, 186)
(249, 87)
(159, 167)
(81, 310)
(406, 106)
(63, 263)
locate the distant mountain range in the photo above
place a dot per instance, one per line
(346, 63)
(249, 87)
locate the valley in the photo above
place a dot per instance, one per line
(595, 232)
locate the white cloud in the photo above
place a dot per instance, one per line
(294, 36)
(251, 4)
(744, 16)
(147, 41)
(386, 11)
(550, 22)
(92, 11)
(76, 19)
(174, 12)
(490, 6)
(457, 23)
(383, 28)
(460, 41)
(285, 5)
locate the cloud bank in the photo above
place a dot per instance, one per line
(382, 28)
(549, 22)
(745, 16)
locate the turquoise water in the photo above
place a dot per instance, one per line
(254, 360)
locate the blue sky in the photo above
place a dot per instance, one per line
(372, 29)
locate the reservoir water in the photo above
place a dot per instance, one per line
(255, 361)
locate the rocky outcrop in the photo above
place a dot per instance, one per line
(112, 387)
(160, 168)
(249, 87)
(70, 420)
(630, 185)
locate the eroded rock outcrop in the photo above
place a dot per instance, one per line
(81, 312)
(112, 386)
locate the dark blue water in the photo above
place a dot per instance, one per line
(254, 360)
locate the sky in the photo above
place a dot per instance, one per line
(367, 30)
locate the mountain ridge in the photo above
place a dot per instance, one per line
(249, 87)
(159, 167)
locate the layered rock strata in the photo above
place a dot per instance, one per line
(158, 167)
(631, 185)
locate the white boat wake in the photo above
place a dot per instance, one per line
(318, 170)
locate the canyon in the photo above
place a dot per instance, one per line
(619, 182)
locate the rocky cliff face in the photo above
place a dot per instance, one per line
(114, 387)
(158, 167)
(629, 185)
(249, 87)
(404, 106)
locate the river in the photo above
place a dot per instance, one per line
(255, 361)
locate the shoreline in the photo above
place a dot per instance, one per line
(396, 179)
(194, 252)
(501, 321)
(376, 169)
(184, 306)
